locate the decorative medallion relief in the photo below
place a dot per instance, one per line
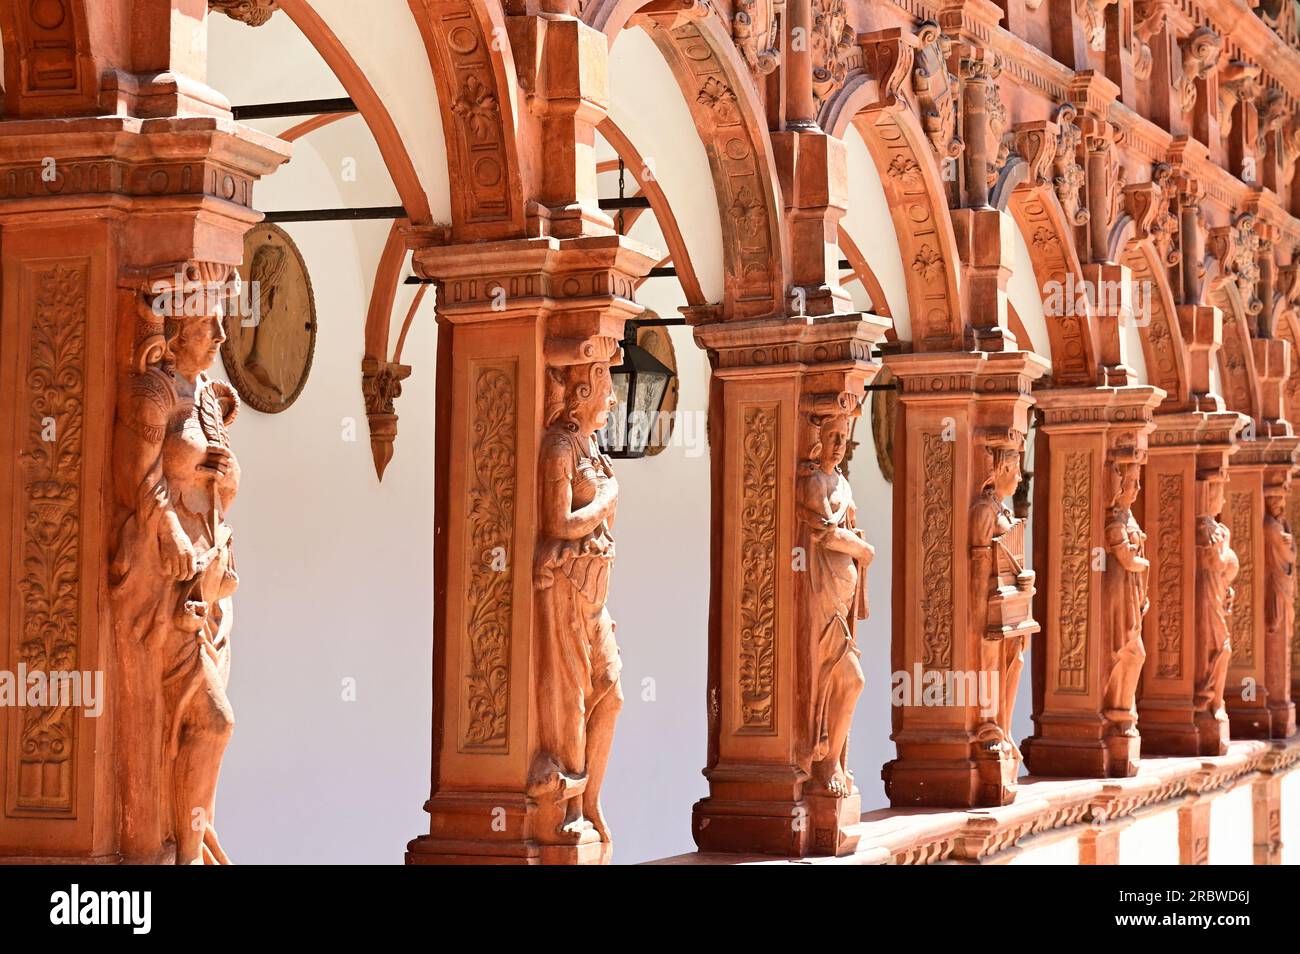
(757, 566)
(489, 566)
(49, 584)
(1076, 571)
(271, 334)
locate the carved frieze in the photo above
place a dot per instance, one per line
(1076, 571)
(937, 475)
(1169, 584)
(1241, 522)
(757, 609)
(489, 561)
(49, 580)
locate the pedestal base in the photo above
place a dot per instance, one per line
(1212, 734)
(1114, 756)
(833, 821)
(763, 828)
(964, 784)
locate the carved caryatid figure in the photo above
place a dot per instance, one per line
(579, 695)
(173, 570)
(1279, 578)
(1124, 588)
(1216, 568)
(1000, 591)
(832, 596)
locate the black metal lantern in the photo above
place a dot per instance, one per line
(640, 384)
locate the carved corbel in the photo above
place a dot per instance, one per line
(1238, 83)
(833, 46)
(1068, 177)
(1200, 56)
(1103, 181)
(253, 12)
(889, 56)
(754, 31)
(1149, 17)
(1236, 247)
(1092, 16)
(1273, 113)
(381, 383)
(935, 87)
(1036, 144)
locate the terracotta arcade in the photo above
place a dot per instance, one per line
(1095, 500)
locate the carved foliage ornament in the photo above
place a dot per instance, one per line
(1076, 570)
(49, 583)
(489, 609)
(757, 645)
(1169, 546)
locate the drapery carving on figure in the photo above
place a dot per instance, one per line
(1216, 568)
(1001, 588)
(832, 592)
(1279, 579)
(579, 694)
(1125, 598)
(173, 569)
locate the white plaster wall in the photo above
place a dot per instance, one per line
(871, 227)
(1232, 828)
(336, 570)
(1291, 818)
(646, 103)
(1152, 839)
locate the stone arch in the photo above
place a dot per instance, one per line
(1162, 336)
(913, 183)
(1236, 355)
(473, 68)
(1049, 237)
(730, 120)
(372, 109)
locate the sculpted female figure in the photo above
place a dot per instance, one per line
(992, 528)
(1279, 580)
(172, 578)
(580, 691)
(1125, 598)
(1216, 568)
(833, 597)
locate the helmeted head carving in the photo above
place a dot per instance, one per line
(830, 417)
(1003, 470)
(579, 390)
